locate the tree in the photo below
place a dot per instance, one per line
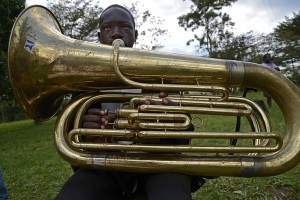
(243, 47)
(214, 25)
(287, 34)
(248, 47)
(78, 19)
(9, 9)
(150, 27)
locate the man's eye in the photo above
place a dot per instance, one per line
(126, 26)
(106, 28)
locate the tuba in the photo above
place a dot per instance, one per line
(45, 65)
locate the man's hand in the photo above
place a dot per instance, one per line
(165, 100)
(97, 118)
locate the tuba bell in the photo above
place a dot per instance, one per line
(45, 65)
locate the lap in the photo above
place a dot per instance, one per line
(91, 184)
(168, 186)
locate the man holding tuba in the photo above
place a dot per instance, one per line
(116, 22)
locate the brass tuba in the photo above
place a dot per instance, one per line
(44, 65)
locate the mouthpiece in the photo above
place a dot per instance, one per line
(118, 42)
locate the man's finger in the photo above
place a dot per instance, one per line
(91, 125)
(94, 111)
(167, 101)
(163, 94)
(110, 117)
(91, 118)
(149, 102)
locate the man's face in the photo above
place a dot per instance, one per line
(117, 24)
(268, 58)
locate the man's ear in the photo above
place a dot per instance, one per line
(136, 34)
(99, 37)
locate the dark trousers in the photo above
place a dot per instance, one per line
(3, 191)
(87, 184)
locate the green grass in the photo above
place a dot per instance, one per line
(32, 168)
(284, 186)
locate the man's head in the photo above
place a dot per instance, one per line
(267, 58)
(116, 22)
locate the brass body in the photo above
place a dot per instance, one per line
(44, 65)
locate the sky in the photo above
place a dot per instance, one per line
(261, 16)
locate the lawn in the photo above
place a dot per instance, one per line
(32, 168)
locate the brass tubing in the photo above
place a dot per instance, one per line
(60, 137)
(231, 167)
(172, 149)
(195, 110)
(124, 112)
(99, 98)
(253, 119)
(198, 101)
(258, 110)
(157, 116)
(287, 96)
(143, 125)
(162, 86)
(57, 65)
(122, 123)
(124, 134)
(175, 125)
(210, 135)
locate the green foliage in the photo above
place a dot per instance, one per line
(214, 37)
(78, 19)
(248, 47)
(151, 31)
(214, 25)
(288, 35)
(9, 9)
(6, 93)
(243, 47)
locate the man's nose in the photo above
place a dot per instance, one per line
(117, 33)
